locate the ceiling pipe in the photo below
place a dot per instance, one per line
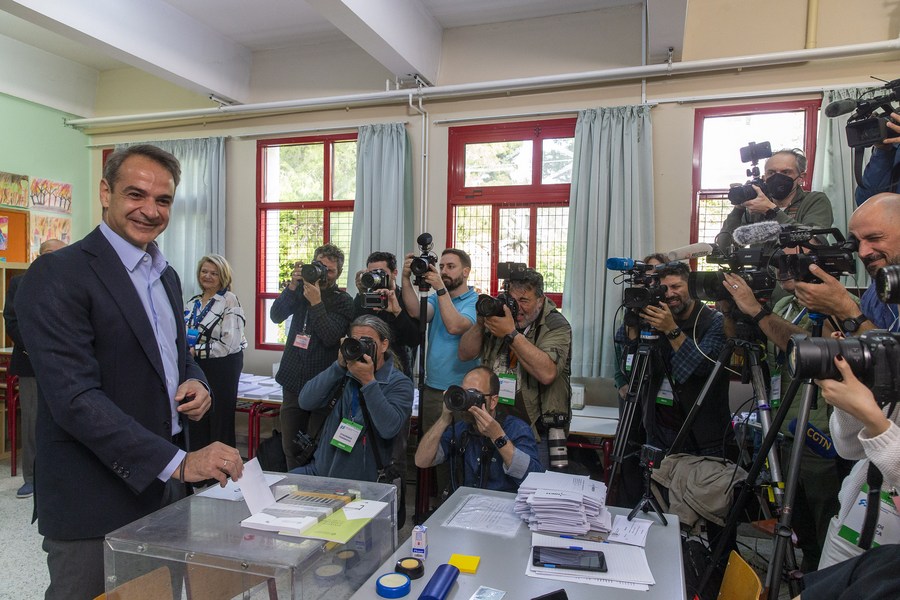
(506, 85)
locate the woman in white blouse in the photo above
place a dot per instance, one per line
(215, 323)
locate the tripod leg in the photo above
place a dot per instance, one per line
(655, 505)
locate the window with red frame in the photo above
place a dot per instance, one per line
(305, 193)
(720, 132)
(508, 198)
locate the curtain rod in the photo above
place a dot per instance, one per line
(760, 94)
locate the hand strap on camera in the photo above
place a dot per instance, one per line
(368, 420)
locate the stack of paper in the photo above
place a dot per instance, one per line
(561, 503)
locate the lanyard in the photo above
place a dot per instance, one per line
(196, 317)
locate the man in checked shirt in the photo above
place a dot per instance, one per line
(688, 329)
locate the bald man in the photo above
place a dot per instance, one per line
(876, 224)
(21, 366)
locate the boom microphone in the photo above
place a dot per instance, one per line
(690, 251)
(757, 233)
(840, 107)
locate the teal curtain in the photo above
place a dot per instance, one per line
(382, 212)
(610, 214)
(197, 219)
(833, 171)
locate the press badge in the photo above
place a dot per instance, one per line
(665, 396)
(628, 360)
(346, 435)
(302, 341)
(775, 396)
(507, 388)
(887, 531)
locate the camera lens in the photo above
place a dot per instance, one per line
(459, 399)
(814, 357)
(352, 349)
(887, 283)
(313, 272)
(488, 306)
(556, 440)
(707, 286)
(419, 266)
(374, 279)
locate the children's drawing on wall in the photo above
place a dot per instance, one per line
(14, 190)
(44, 227)
(4, 233)
(51, 195)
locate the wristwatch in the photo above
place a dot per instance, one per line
(501, 441)
(763, 312)
(853, 324)
(441, 291)
(673, 335)
(770, 214)
(509, 337)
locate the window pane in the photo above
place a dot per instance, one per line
(556, 165)
(295, 173)
(290, 235)
(552, 233)
(275, 333)
(341, 229)
(343, 186)
(473, 234)
(498, 163)
(515, 230)
(712, 211)
(723, 137)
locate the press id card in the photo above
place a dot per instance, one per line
(346, 435)
(888, 529)
(665, 395)
(507, 388)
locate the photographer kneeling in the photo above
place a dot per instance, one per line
(371, 402)
(471, 433)
(862, 429)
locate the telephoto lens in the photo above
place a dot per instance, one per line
(887, 283)
(559, 456)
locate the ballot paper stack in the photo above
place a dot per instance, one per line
(560, 503)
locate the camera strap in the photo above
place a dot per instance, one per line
(368, 420)
(336, 392)
(874, 479)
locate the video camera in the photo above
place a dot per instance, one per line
(488, 306)
(459, 399)
(420, 264)
(645, 289)
(374, 280)
(835, 259)
(874, 358)
(887, 283)
(353, 349)
(868, 125)
(314, 272)
(751, 153)
(750, 264)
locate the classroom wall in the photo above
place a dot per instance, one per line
(35, 143)
(601, 39)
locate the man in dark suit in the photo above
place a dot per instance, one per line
(101, 321)
(20, 366)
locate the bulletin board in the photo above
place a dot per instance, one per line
(16, 232)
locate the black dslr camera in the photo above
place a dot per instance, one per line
(306, 446)
(751, 153)
(314, 272)
(459, 399)
(420, 264)
(353, 349)
(374, 280)
(488, 306)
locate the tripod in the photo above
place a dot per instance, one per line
(424, 476)
(648, 501)
(783, 529)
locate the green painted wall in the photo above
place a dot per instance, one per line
(35, 142)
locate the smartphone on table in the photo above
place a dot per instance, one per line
(569, 558)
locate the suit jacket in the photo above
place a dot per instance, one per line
(18, 362)
(104, 418)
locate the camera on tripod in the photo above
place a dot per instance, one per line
(835, 259)
(874, 358)
(314, 272)
(489, 306)
(645, 288)
(751, 153)
(651, 456)
(887, 283)
(750, 264)
(421, 264)
(373, 281)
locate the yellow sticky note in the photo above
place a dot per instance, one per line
(465, 563)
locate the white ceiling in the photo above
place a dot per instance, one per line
(207, 45)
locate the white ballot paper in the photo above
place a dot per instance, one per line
(630, 532)
(232, 490)
(265, 513)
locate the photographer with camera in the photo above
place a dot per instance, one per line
(863, 429)
(467, 430)
(367, 400)
(820, 471)
(320, 314)
(529, 348)
(882, 173)
(379, 295)
(876, 225)
(692, 332)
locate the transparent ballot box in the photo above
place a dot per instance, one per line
(196, 548)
